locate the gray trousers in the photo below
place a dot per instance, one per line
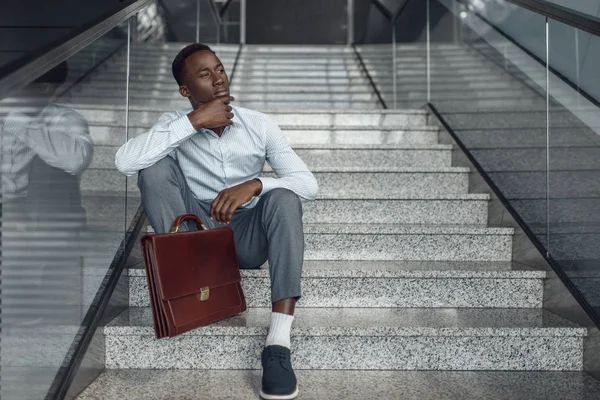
(272, 230)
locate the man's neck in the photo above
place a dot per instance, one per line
(218, 131)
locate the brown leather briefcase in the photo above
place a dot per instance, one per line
(193, 277)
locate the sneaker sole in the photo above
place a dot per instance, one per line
(290, 396)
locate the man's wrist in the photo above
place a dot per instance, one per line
(259, 186)
(196, 120)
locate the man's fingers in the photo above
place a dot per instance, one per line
(228, 108)
(223, 214)
(231, 210)
(213, 206)
(229, 115)
(220, 211)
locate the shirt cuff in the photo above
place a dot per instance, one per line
(268, 184)
(182, 127)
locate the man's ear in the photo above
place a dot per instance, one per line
(183, 90)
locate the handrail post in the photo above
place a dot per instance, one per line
(242, 21)
(197, 21)
(350, 22)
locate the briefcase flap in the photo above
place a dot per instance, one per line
(187, 262)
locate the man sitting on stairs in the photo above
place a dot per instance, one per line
(207, 161)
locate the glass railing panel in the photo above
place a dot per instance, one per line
(492, 93)
(374, 38)
(409, 56)
(574, 159)
(61, 222)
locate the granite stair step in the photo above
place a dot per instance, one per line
(175, 100)
(360, 338)
(255, 102)
(282, 85)
(375, 284)
(484, 104)
(299, 74)
(330, 156)
(465, 210)
(147, 116)
(392, 242)
(349, 385)
(407, 242)
(513, 119)
(171, 90)
(295, 105)
(469, 209)
(111, 134)
(141, 52)
(137, 79)
(155, 72)
(352, 182)
(450, 209)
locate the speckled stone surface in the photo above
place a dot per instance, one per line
(372, 322)
(361, 339)
(515, 119)
(392, 183)
(349, 385)
(398, 269)
(399, 182)
(334, 157)
(144, 115)
(407, 242)
(398, 211)
(112, 134)
(391, 284)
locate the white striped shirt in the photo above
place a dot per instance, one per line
(211, 163)
(58, 135)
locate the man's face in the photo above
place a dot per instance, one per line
(204, 78)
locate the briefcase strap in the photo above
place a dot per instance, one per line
(186, 217)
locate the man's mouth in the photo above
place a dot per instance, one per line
(223, 92)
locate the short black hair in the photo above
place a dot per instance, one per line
(179, 61)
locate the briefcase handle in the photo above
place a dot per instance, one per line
(186, 217)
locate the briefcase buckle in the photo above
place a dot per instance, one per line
(204, 293)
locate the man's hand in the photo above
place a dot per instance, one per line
(214, 114)
(223, 207)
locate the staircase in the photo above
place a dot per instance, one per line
(407, 292)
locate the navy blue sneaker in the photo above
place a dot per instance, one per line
(278, 380)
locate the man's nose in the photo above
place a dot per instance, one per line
(218, 81)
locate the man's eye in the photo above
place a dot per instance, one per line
(203, 75)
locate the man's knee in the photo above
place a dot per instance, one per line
(158, 174)
(283, 200)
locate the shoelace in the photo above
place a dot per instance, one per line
(277, 356)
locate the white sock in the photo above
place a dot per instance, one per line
(279, 331)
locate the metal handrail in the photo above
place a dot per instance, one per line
(568, 16)
(20, 73)
(562, 14)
